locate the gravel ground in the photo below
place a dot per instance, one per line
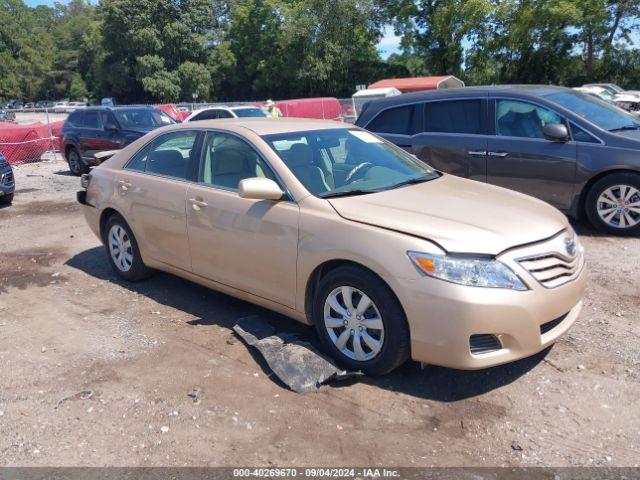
(96, 371)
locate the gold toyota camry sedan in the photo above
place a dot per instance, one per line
(335, 227)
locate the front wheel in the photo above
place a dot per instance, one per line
(360, 321)
(6, 199)
(122, 250)
(613, 204)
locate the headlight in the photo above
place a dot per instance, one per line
(472, 271)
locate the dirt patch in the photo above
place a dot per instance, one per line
(141, 347)
(38, 208)
(24, 268)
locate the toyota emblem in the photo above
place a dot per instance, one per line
(570, 246)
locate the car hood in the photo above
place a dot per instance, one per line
(459, 215)
(632, 134)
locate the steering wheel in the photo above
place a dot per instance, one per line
(358, 172)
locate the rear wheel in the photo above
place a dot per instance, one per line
(122, 250)
(613, 204)
(360, 321)
(76, 165)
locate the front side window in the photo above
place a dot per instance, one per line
(455, 116)
(373, 164)
(515, 118)
(580, 135)
(600, 113)
(170, 154)
(399, 120)
(227, 159)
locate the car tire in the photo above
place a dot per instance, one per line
(6, 199)
(392, 341)
(610, 193)
(123, 251)
(76, 165)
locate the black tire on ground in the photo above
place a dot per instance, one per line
(591, 202)
(396, 345)
(138, 270)
(76, 165)
(6, 199)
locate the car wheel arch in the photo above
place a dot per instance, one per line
(322, 270)
(106, 214)
(593, 180)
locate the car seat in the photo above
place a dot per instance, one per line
(300, 162)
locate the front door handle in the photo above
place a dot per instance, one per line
(477, 153)
(124, 185)
(498, 154)
(197, 204)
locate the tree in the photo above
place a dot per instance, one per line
(194, 78)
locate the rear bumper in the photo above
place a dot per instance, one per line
(91, 213)
(443, 317)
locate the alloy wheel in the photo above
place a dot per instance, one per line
(353, 323)
(619, 206)
(74, 162)
(120, 248)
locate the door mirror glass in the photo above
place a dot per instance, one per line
(259, 188)
(556, 132)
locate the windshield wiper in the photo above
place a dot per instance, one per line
(625, 127)
(411, 181)
(348, 193)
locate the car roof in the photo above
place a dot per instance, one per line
(374, 106)
(264, 126)
(128, 107)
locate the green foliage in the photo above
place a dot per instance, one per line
(150, 50)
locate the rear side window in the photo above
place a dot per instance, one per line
(92, 120)
(206, 115)
(400, 120)
(458, 116)
(75, 119)
(170, 155)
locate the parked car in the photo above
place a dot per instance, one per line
(7, 115)
(60, 107)
(580, 154)
(7, 181)
(72, 106)
(627, 99)
(225, 112)
(387, 257)
(95, 129)
(15, 105)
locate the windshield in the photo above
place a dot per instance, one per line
(142, 118)
(341, 161)
(598, 112)
(249, 112)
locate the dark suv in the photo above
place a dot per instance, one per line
(97, 129)
(576, 152)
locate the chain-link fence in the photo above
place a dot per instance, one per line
(33, 133)
(30, 135)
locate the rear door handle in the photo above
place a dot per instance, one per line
(124, 185)
(197, 204)
(498, 154)
(477, 153)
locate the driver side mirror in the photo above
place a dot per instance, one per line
(556, 132)
(111, 127)
(259, 188)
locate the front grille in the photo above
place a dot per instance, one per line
(546, 327)
(553, 269)
(484, 343)
(7, 179)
